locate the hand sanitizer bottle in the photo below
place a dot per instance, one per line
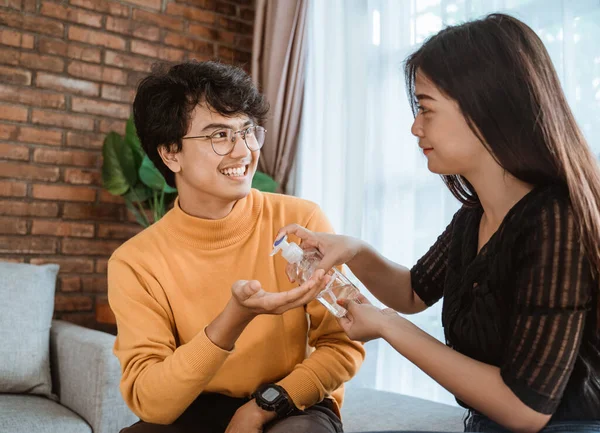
(304, 263)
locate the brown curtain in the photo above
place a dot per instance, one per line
(278, 68)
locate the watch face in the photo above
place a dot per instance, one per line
(270, 395)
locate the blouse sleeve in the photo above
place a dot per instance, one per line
(552, 298)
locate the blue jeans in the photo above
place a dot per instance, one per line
(477, 422)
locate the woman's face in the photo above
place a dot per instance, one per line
(449, 144)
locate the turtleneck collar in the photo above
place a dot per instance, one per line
(214, 234)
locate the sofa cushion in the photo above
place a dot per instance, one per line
(31, 413)
(367, 410)
(26, 307)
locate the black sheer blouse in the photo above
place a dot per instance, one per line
(526, 303)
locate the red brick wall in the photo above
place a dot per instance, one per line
(68, 71)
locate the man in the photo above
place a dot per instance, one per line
(212, 336)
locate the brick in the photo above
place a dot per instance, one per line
(203, 4)
(134, 78)
(37, 61)
(27, 245)
(247, 14)
(82, 177)
(68, 13)
(72, 85)
(98, 73)
(102, 108)
(31, 97)
(157, 51)
(189, 44)
(14, 151)
(35, 135)
(69, 49)
(133, 28)
(191, 13)
(202, 31)
(117, 93)
(101, 266)
(150, 4)
(91, 247)
(69, 121)
(118, 231)
(69, 283)
(94, 284)
(80, 158)
(160, 20)
(12, 189)
(126, 61)
(10, 75)
(14, 4)
(69, 302)
(13, 113)
(107, 7)
(107, 197)
(62, 228)
(224, 8)
(30, 5)
(25, 209)
(88, 141)
(107, 126)
(9, 132)
(87, 320)
(32, 23)
(235, 26)
(244, 43)
(12, 259)
(242, 2)
(10, 56)
(69, 264)
(13, 226)
(28, 171)
(81, 211)
(94, 37)
(64, 193)
(233, 56)
(16, 39)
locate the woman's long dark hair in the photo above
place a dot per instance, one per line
(500, 74)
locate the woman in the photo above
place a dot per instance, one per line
(518, 265)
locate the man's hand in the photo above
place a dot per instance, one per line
(250, 296)
(249, 419)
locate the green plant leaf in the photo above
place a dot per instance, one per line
(132, 139)
(264, 182)
(139, 193)
(118, 167)
(137, 214)
(150, 175)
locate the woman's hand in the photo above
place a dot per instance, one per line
(364, 321)
(335, 249)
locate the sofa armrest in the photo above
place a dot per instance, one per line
(86, 376)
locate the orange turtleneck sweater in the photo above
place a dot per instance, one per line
(166, 284)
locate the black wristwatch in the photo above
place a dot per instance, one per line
(274, 398)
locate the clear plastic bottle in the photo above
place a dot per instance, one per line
(304, 263)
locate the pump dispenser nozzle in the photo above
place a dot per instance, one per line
(289, 250)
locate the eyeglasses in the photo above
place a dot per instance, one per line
(223, 140)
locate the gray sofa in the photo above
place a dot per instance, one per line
(367, 410)
(85, 377)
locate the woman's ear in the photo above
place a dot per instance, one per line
(170, 158)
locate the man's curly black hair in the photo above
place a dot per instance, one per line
(166, 98)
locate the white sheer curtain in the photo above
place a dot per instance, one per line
(357, 158)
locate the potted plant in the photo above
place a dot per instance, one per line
(128, 172)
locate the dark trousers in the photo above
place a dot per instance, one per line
(211, 413)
